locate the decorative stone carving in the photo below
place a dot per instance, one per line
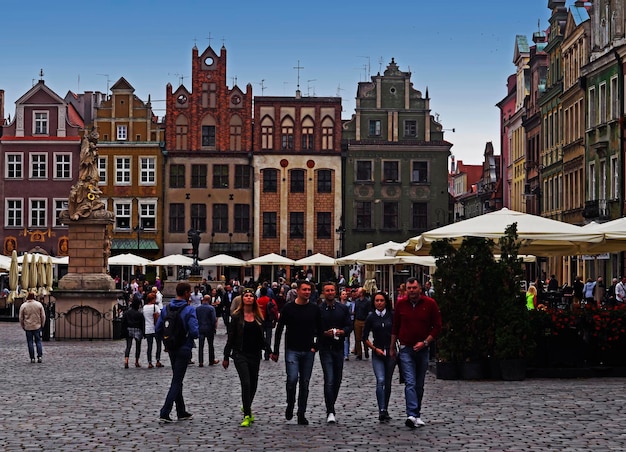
(84, 197)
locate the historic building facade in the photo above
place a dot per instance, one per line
(298, 178)
(532, 122)
(208, 161)
(551, 154)
(39, 157)
(396, 163)
(130, 167)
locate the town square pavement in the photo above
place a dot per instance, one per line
(81, 398)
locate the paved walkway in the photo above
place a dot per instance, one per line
(81, 398)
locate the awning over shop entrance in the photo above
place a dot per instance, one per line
(131, 244)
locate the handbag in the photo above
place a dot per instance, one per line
(155, 314)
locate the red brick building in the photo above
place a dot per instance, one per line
(208, 172)
(298, 188)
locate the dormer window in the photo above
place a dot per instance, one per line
(40, 123)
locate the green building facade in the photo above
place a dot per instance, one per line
(395, 164)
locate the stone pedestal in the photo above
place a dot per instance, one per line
(84, 314)
(87, 294)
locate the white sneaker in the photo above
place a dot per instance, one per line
(331, 418)
(419, 422)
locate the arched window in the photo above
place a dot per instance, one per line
(307, 134)
(267, 133)
(235, 133)
(286, 134)
(182, 127)
(328, 135)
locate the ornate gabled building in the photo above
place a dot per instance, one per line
(39, 157)
(208, 164)
(130, 167)
(298, 179)
(515, 174)
(478, 187)
(603, 80)
(575, 50)
(507, 120)
(532, 122)
(551, 153)
(396, 163)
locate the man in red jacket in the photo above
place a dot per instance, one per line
(416, 323)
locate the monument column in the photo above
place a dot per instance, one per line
(87, 295)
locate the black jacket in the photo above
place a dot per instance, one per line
(234, 342)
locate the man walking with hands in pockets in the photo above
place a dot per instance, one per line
(416, 323)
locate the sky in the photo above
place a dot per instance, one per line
(462, 51)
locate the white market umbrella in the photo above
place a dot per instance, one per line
(614, 233)
(49, 275)
(129, 259)
(5, 262)
(41, 276)
(33, 275)
(317, 259)
(271, 259)
(174, 260)
(24, 280)
(223, 260)
(13, 277)
(537, 235)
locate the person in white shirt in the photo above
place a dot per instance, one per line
(620, 291)
(196, 297)
(151, 314)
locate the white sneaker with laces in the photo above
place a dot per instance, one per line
(419, 422)
(411, 422)
(331, 418)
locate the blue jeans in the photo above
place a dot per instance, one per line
(36, 336)
(346, 347)
(383, 370)
(299, 367)
(413, 367)
(332, 366)
(179, 360)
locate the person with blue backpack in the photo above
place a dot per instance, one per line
(178, 325)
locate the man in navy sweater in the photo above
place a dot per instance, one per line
(336, 325)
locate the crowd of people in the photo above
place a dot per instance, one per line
(336, 321)
(543, 292)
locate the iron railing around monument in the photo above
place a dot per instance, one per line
(85, 323)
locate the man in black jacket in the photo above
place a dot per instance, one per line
(336, 325)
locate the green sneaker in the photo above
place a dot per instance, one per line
(251, 415)
(246, 421)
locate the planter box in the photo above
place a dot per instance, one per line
(448, 371)
(513, 369)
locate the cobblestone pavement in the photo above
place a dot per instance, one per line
(81, 398)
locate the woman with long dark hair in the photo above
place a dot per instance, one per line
(245, 344)
(379, 323)
(135, 324)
